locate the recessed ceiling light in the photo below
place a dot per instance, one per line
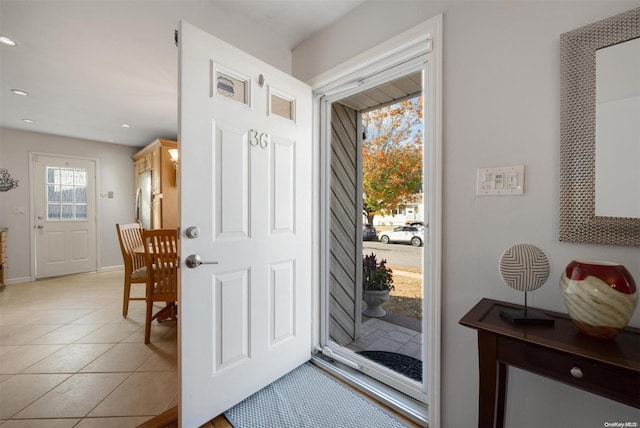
(28, 121)
(20, 92)
(126, 125)
(7, 41)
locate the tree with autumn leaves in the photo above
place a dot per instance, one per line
(392, 157)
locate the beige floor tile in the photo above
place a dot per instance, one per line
(161, 333)
(59, 316)
(124, 422)
(143, 393)
(75, 397)
(66, 334)
(100, 316)
(175, 401)
(123, 357)
(41, 423)
(109, 333)
(22, 334)
(70, 359)
(4, 349)
(21, 357)
(14, 318)
(19, 391)
(165, 358)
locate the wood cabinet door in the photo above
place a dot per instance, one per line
(156, 213)
(156, 171)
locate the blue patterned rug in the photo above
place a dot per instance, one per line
(308, 398)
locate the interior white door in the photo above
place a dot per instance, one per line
(64, 215)
(246, 181)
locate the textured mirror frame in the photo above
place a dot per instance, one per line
(578, 221)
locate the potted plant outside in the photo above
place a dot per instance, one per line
(377, 282)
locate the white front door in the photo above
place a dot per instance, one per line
(64, 215)
(246, 182)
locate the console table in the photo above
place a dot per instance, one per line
(610, 368)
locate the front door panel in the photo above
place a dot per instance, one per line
(246, 184)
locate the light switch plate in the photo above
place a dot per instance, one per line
(500, 181)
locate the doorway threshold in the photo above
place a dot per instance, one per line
(408, 407)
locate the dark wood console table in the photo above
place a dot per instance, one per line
(610, 368)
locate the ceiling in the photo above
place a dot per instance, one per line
(91, 66)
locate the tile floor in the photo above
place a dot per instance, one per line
(381, 335)
(69, 359)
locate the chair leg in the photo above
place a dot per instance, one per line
(125, 300)
(147, 325)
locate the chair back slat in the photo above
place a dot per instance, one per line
(162, 261)
(130, 237)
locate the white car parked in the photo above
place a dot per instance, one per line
(403, 234)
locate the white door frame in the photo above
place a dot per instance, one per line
(32, 206)
(352, 76)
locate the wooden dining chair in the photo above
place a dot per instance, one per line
(161, 251)
(135, 265)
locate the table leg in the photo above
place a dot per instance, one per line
(493, 375)
(501, 394)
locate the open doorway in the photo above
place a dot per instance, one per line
(391, 155)
(376, 230)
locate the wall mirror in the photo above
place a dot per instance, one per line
(600, 131)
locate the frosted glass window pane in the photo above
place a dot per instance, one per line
(66, 176)
(67, 211)
(53, 175)
(67, 193)
(53, 211)
(81, 195)
(80, 177)
(53, 193)
(81, 211)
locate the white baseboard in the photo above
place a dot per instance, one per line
(111, 268)
(17, 280)
(29, 279)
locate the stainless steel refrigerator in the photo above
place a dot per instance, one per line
(143, 199)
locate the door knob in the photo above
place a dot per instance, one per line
(193, 261)
(40, 226)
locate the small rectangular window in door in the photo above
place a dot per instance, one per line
(282, 105)
(66, 194)
(231, 85)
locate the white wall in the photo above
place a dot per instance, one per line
(116, 174)
(501, 107)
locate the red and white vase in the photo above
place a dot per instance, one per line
(599, 296)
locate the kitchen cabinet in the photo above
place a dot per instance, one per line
(157, 206)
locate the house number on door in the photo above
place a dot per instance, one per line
(257, 138)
